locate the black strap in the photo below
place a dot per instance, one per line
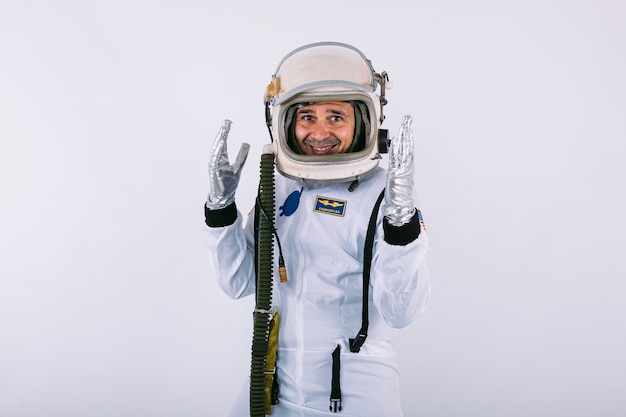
(335, 393)
(357, 342)
(220, 217)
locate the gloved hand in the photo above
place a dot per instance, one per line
(399, 205)
(223, 177)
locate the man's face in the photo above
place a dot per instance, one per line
(325, 128)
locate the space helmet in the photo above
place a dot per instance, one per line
(323, 72)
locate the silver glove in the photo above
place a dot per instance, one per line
(224, 177)
(399, 205)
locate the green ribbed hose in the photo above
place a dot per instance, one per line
(264, 277)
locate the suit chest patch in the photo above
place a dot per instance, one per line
(327, 205)
(291, 203)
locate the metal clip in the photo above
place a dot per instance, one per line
(357, 342)
(269, 312)
(335, 405)
(383, 80)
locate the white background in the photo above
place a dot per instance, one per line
(107, 111)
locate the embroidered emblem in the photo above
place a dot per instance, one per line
(330, 206)
(291, 203)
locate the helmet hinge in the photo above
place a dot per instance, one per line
(383, 79)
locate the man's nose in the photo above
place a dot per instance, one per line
(319, 131)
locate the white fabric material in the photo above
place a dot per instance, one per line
(320, 305)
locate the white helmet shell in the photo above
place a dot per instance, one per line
(320, 72)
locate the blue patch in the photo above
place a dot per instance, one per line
(330, 206)
(291, 203)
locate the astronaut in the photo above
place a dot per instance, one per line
(324, 108)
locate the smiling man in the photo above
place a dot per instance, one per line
(325, 128)
(353, 241)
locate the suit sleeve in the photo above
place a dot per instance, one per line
(400, 277)
(231, 251)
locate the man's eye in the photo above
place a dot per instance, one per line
(336, 118)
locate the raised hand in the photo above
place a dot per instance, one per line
(399, 204)
(224, 177)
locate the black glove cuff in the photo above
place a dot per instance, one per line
(402, 235)
(220, 217)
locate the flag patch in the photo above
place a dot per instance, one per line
(421, 220)
(328, 205)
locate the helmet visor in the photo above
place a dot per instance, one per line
(362, 138)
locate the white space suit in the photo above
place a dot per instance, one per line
(320, 305)
(322, 221)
